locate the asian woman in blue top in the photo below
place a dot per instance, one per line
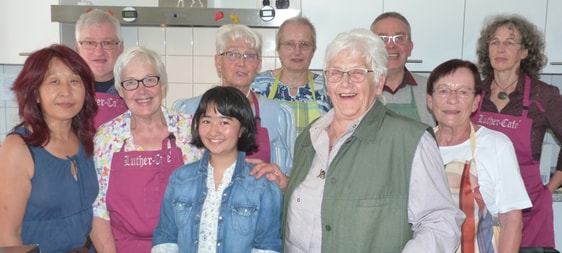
(214, 205)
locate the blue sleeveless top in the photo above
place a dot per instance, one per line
(58, 216)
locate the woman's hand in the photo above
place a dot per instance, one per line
(271, 171)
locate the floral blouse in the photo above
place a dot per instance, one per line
(111, 136)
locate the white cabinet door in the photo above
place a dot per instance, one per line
(26, 26)
(333, 17)
(477, 11)
(553, 38)
(436, 30)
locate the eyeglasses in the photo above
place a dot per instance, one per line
(106, 44)
(506, 43)
(443, 92)
(235, 56)
(354, 75)
(292, 45)
(398, 39)
(133, 84)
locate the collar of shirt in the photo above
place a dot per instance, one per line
(407, 80)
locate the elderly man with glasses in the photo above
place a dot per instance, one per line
(404, 92)
(99, 42)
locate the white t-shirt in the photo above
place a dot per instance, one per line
(499, 176)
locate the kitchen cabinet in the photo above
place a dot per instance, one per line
(436, 38)
(553, 38)
(477, 11)
(26, 26)
(333, 17)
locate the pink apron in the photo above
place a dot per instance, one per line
(538, 224)
(136, 188)
(262, 136)
(109, 107)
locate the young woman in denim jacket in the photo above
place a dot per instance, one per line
(214, 205)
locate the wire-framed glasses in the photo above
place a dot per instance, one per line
(292, 45)
(106, 44)
(355, 75)
(236, 56)
(444, 92)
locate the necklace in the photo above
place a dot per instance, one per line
(502, 94)
(248, 93)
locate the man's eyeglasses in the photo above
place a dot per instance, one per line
(292, 45)
(133, 84)
(235, 56)
(106, 44)
(354, 75)
(506, 43)
(398, 39)
(443, 92)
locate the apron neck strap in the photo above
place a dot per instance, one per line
(275, 85)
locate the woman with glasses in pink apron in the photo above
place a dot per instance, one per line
(238, 59)
(481, 165)
(135, 153)
(516, 103)
(293, 83)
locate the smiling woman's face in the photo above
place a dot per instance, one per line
(238, 72)
(352, 99)
(143, 101)
(454, 110)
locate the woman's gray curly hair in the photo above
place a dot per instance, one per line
(531, 39)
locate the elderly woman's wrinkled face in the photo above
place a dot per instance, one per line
(238, 64)
(296, 48)
(505, 49)
(354, 92)
(453, 100)
(142, 101)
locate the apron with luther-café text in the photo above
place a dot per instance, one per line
(135, 192)
(109, 107)
(538, 223)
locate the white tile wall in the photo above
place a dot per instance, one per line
(187, 52)
(189, 57)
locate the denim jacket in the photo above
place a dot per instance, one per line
(250, 211)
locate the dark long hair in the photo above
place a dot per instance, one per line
(26, 88)
(230, 102)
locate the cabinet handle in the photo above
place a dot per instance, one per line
(24, 53)
(414, 61)
(556, 63)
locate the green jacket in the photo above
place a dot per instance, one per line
(365, 201)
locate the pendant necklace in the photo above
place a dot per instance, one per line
(502, 94)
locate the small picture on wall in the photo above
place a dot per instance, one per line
(183, 3)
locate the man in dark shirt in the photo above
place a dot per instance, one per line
(99, 42)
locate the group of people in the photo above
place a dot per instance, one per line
(385, 160)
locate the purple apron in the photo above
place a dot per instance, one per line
(538, 224)
(109, 107)
(262, 136)
(135, 191)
